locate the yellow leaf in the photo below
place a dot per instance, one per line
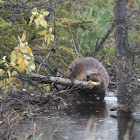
(50, 29)
(45, 13)
(22, 44)
(32, 66)
(37, 21)
(1, 83)
(28, 50)
(13, 56)
(20, 61)
(34, 11)
(41, 11)
(13, 64)
(48, 40)
(43, 32)
(22, 67)
(16, 48)
(26, 62)
(52, 37)
(31, 19)
(14, 73)
(46, 36)
(19, 55)
(2, 71)
(23, 37)
(43, 23)
(9, 80)
(27, 57)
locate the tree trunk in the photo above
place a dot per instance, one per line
(123, 55)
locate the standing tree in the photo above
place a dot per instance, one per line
(123, 54)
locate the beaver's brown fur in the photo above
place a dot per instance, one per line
(86, 69)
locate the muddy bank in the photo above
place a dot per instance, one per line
(19, 106)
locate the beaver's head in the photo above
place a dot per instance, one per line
(92, 75)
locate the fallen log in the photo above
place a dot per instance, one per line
(63, 81)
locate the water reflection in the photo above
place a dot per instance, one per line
(125, 126)
(83, 122)
(88, 122)
(129, 127)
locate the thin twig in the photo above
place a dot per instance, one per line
(100, 45)
(52, 49)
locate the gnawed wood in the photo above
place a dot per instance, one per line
(63, 81)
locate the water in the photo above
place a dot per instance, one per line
(88, 122)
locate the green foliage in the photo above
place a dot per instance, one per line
(21, 60)
(78, 26)
(3, 23)
(1, 1)
(21, 57)
(94, 18)
(39, 20)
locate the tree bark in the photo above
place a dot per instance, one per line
(125, 97)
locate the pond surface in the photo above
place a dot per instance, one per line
(88, 122)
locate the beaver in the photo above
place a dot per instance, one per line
(86, 69)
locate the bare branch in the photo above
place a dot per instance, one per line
(100, 45)
(63, 81)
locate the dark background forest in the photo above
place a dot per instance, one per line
(80, 28)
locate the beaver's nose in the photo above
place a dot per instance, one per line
(88, 77)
